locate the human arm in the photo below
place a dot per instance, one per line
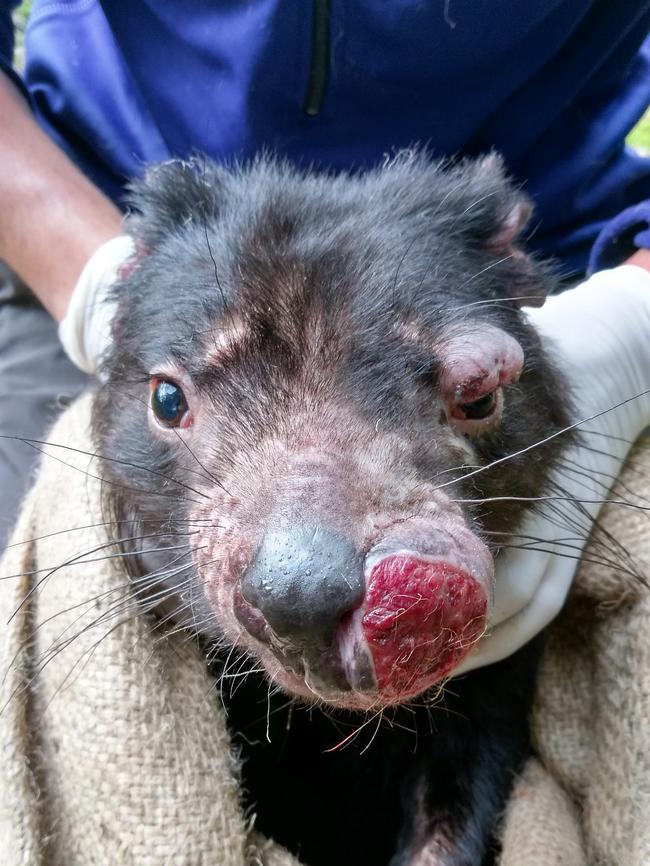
(641, 258)
(52, 218)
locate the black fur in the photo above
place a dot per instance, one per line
(284, 250)
(446, 767)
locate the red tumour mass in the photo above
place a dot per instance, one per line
(420, 619)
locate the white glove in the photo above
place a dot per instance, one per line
(85, 332)
(599, 333)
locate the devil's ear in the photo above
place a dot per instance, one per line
(497, 214)
(495, 210)
(173, 195)
(511, 226)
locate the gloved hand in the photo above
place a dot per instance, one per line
(599, 333)
(85, 332)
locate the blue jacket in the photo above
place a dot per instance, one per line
(554, 85)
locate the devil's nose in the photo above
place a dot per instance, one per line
(303, 580)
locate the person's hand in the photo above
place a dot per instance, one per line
(85, 331)
(599, 335)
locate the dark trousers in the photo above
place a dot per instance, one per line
(37, 381)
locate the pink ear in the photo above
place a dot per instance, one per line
(503, 244)
(505, 215)
(510, 229)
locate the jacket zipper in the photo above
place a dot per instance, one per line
(319, 63)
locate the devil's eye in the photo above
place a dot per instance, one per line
(479, 409)
(168, 403)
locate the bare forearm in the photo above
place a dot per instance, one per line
(52, 217)
(641, 259)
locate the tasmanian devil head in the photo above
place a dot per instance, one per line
(310, 378)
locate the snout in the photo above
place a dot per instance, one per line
(360, 628)
(303, 582)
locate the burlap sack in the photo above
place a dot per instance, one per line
(588, 802)
(113, 749)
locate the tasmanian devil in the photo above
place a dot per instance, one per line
(312, 384)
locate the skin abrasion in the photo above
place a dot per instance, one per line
(328, 393)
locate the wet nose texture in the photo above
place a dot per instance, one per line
(303, 580)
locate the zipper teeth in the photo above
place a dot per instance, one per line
(319, 65)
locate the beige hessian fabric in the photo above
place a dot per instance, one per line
(113, 748)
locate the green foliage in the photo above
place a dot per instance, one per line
(25, 8)
(22, 13)
(639, 138)
(20, 17)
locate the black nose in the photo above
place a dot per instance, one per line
(303, 580)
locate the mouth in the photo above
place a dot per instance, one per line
(422, 609)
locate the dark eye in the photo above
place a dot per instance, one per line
(168, 403)
(479, 409)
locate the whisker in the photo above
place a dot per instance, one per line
(570, 427)
(76, 560)
(578, 557)
(34, 443)
(201, 523)
(572, 499)
(506, 300)
(485, 269)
